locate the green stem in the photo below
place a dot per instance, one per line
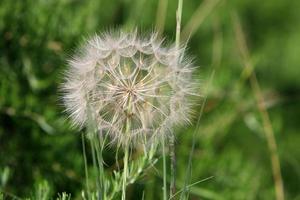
(164, 170)
(178, 22)
(95, 164)
(172, 138)
(173, 165)
(85, 166)
(126, 152)
(125, 170)
(98, 147)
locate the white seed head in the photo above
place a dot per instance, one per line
(134, 89)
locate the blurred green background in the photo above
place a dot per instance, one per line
(38, 145)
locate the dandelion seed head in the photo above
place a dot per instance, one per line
(132, 87)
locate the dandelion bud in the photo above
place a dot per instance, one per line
(135, 89)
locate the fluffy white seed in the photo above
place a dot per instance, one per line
(134, 89)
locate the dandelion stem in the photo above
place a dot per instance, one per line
(126, 151)
(125, 173)
(85, 165)
(95, 164)
(98, 149)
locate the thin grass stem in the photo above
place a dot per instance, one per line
(161, 15)
(185, 190)
(164, 170)
(172, 143)
(178, 22)
(198, 18)
(189, 186)
(267, 125)
(172, 149)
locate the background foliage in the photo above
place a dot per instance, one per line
(39, 151)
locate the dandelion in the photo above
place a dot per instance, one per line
(134, 88)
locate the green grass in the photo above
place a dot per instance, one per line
(39, 151)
